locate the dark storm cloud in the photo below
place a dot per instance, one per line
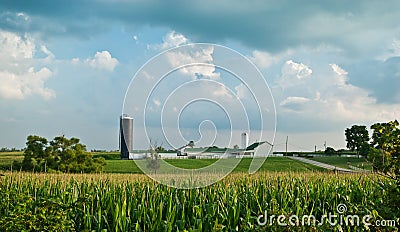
(52, 18)
(382, 79)
(268, 25)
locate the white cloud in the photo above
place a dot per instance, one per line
(294, 103)
(170, 40)
(299, 70)
(326, 96)
(50, 55)
(241, 91)
(103, 60)
(75, 60)
(294, 100)
(222, 91)
(199, 60)
(262, 59)
(294, 75)
(16, 47)
(340, 77)
(15, 86)
(338, 70)
(23, 16)
(17, 73)
(393, 50)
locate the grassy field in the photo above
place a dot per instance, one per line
(115, 165)
(7, 158)
(343, 162)
(271, 164)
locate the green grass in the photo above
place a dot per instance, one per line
(279, 164)
(191, 163)
(343, 162)
(121, 166)
(107, 155)
(115, 165)
(7, 158)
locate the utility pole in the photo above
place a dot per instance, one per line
(287, 138)
(315, 150)
(325, 145)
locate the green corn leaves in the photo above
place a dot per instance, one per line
(116, 202)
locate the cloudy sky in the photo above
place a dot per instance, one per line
(65, 65)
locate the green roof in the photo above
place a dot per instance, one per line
(254, 146)
(223, 150)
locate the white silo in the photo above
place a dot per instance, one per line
(245, 140)
(125, 136)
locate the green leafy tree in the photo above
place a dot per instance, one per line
(385, 158)
(357, 137)
(386, 138)
(365, 149)
(330, 151)
(60, 154)
(35, 154)
(160, 149)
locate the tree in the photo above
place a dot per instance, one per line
(35, 154)
(330, 151)
(385, 159)
(386, 137)
(356, 137)
(60, 154)
(365, 149)
(160, 149)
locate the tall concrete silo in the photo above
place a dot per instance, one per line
(245, 140)
(125, 135)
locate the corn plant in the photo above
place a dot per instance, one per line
(129, 202)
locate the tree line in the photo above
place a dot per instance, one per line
(5, 149)
(58, 155)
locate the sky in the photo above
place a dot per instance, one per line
(66, 66)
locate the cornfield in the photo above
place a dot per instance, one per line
(123, 202)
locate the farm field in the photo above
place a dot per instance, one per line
(115, 165)
(7, 158)
(123, 199)
(343, 162)
(132, 202)
(271, 164)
